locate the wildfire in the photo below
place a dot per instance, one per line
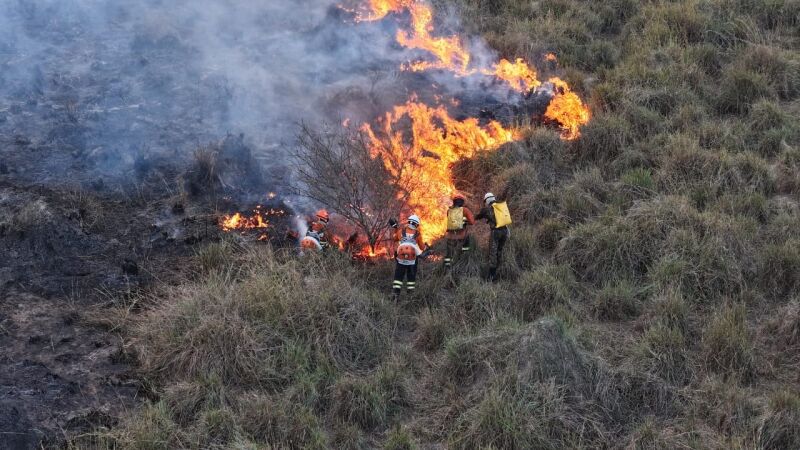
(517, 74)
(437, 141)
(566, 108)
(449, 51)
(258, 220)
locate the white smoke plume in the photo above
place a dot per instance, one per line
(92, 85)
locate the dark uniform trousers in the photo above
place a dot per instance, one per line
(499, 238)
(404, 273)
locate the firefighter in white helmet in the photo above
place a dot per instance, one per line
(409, 248)
(497, 215)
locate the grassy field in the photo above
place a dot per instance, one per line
(651, 297)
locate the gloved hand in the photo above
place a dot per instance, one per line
(393, 223)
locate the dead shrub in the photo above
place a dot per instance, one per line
(203, 175)
(86, 209)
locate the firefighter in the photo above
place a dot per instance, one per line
(409, 249)
(458, 218)
(315, 239)
(497, 215)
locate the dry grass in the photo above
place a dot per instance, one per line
(671, 223)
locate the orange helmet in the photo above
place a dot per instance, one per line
(459, 196)
(323, 215)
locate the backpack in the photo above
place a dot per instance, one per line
(311, 242)
(408, 250)
(455, 219)
(502, 216)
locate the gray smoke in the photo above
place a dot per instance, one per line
(90, 86)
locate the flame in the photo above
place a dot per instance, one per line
(567, 109)
(518, 74)
(437, 141)
(256, 221)
(449, 51)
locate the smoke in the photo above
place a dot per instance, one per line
(92, 86)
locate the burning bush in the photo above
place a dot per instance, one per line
(336, 168)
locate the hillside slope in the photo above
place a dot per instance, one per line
(650, 298)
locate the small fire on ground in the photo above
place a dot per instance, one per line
(256, 221)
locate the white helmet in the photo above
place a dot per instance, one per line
(413, 220)
(489, 198)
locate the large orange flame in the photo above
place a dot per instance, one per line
(424, 158)
(449, 51)
(519, 74)
(566, 108)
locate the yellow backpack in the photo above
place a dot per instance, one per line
(455, 219)
(502, 216)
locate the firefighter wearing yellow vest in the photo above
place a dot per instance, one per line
(409, 248)
(497, 215)
(458, 218)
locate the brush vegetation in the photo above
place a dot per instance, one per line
(648, 298)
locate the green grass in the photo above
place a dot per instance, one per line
(647, 299)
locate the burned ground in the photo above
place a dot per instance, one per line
(66, 254)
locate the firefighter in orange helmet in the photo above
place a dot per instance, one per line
(315, 239)
(409, 248)
(458, 218)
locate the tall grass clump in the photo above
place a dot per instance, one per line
(728, 343)
(780, 428)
